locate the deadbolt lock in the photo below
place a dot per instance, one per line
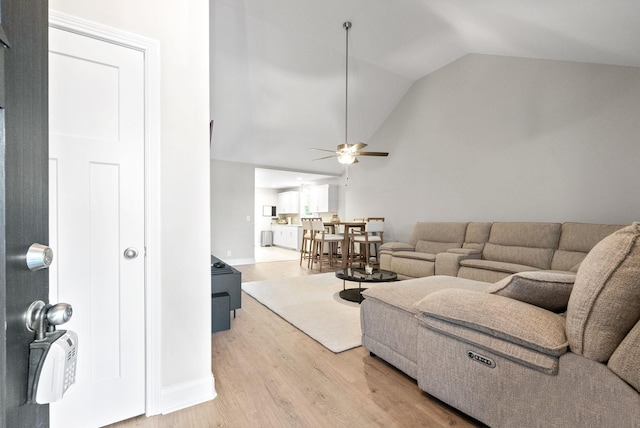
(39, 257)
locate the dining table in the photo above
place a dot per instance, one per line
(348, 226)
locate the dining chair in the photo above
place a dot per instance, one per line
(307, 238)
(357, 220)
(371, 237)
(306, 247)
(321, 239)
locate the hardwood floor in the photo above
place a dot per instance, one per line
(270, 374)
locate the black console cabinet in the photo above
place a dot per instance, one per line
(226, 279)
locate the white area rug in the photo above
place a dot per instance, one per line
(312, 304)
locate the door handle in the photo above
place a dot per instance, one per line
(43, 318)
(131, 253)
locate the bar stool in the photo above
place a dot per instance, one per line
(306, 249)
(307, 237)
(372, 236)
(320, 238)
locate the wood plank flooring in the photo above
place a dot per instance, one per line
(270, 374)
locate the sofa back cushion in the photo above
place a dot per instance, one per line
(432, 247)
(605, 301)
(477, 235)
(530, 244)
(451, 235)
(576, 240)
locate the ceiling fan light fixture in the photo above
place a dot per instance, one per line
(346, 158)
(346, 153)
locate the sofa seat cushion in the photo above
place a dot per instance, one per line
(521, 332)
(496, 266)
(411, 264)
(414, 255)
(405, 294)
(392, 247)
(546, 289)
(605, 302)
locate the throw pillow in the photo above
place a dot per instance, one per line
(626, 359)
(605, 302)
(548, 290)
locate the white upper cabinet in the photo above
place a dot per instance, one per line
(324, 198)
(289, 202)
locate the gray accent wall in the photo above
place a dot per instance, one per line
(491, 138)
(232, 201)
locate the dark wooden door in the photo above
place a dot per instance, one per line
(23, 197)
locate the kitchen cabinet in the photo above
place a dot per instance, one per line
(287, 236)
(324, 198)
(289, 202)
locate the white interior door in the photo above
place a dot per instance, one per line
(96, 149)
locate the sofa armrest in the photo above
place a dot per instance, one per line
(392, 247)
(546, 289)
(449, 263)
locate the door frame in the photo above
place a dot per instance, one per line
(151, 51)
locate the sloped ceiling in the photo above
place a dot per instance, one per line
(278, 71)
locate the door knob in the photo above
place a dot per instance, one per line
(39, 257)
(59, 313)
(43, 318)
(131, 253)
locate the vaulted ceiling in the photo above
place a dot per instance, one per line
(278, 66)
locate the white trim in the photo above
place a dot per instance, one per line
(238, 262)
(151, 50)
(187, 394)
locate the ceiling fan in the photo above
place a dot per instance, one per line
(347, 153)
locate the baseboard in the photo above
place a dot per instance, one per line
(187, 394)
(237, 262)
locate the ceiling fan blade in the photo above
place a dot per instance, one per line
(326, 157)
(358, 146)
(372, 154)
(322, 150)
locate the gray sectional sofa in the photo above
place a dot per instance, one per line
(491, 251)
(555, 343)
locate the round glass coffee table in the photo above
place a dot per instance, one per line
(359, 275)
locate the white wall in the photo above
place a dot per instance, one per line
(263, 196)
(232, 211)
(182, 29)
(490, 138)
